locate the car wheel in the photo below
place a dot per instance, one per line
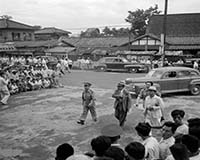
(132, 70)
(101, 69)
(195, 89)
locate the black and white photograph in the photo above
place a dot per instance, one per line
(99, 80)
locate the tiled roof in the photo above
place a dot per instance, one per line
(13, 25)
(50, 30)
(178, 25)
(97, 42)
(60, 49)
(50, 43)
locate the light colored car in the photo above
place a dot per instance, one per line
(168, 80)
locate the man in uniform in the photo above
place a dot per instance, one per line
(153, 110)
(122, 103)
(88, 102)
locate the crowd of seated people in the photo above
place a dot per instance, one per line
(179, 141)
(29, 74)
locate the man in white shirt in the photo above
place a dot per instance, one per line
(167, 139)
(154, 107)
(178, 116)
(5, 94)
(150, 143)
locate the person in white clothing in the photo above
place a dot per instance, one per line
(150, 143)
(154, 108)
(178, 116)
(4, 92)
(167, 139)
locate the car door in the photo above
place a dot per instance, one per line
(184, 79)
(169, 82)
(109, 63)
(117, 62)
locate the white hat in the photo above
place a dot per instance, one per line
(152, 88)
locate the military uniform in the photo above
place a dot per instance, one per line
(88, 102)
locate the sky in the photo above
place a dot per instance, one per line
(78, 15)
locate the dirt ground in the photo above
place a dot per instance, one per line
(35, 123)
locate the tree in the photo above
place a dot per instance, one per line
(139, 19)
(6, 17)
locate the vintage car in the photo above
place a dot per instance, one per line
(119, 64)
(168, 80)
(51, 60)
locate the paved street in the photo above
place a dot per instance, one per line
(35, 123)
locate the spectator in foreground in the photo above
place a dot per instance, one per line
(178, 116)
(64, 151)
(135, 151)
(192, 144)
(150, 143)
(167, 139)
(178, 152)
(115, 153)
(113, 131)
(100, 145)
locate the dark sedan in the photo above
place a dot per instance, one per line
(120, 64)
(169, 80)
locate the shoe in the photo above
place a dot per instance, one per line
(80, 122)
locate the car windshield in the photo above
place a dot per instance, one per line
(154, 74)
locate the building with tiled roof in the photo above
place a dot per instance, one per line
(50, 33)
(182, 34)
(15, 31)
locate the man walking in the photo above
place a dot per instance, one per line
(122, 103)
(154, 106)
(88, 102)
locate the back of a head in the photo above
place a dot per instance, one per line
(136, 150)
(115, 153)
(179, 152)
(64, 151)
(100, 145)
(194, 127)
(191, 142)
(176, 112)
(143, 129)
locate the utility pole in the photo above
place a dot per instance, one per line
(163, 34)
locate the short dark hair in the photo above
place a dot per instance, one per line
(135, 150)
(100, 144)
(115, 153)
(171, 125)
(151, 83)
(191, 142)
(143, 129)
(179, 151)
(177, 112)
(64, 151)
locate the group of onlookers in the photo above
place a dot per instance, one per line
(21, 75)
(179, 141)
